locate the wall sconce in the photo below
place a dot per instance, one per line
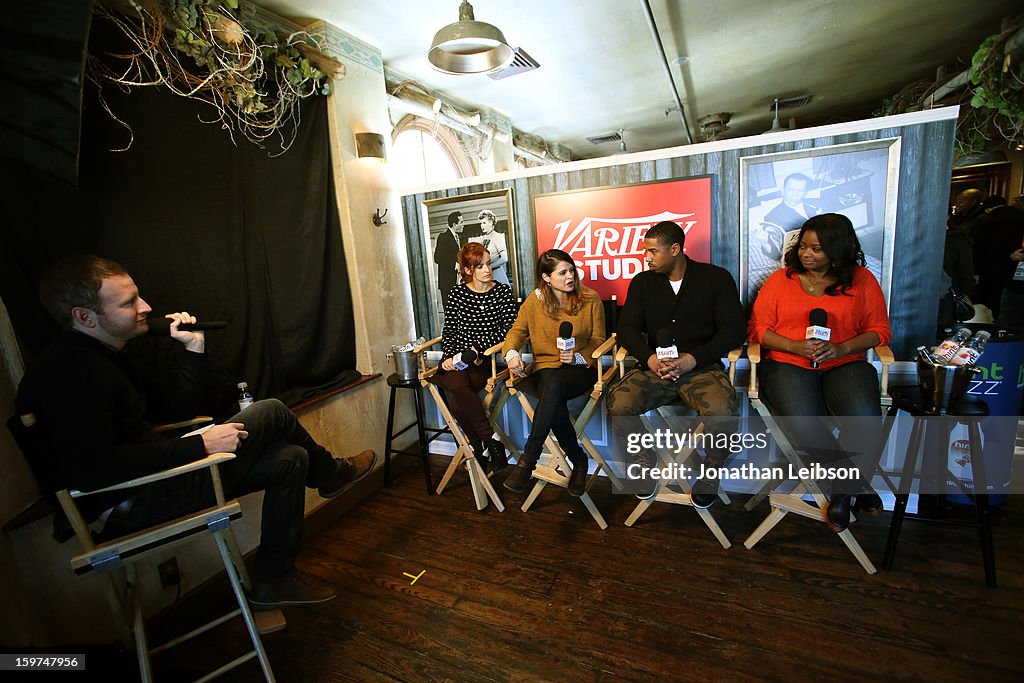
(370, 145)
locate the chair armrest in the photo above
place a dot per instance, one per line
(424, 373)
(603, 348)
(427, 344)
(887, 358)
(208, 461)
(732, 357)
(174, 426)
(754, 356)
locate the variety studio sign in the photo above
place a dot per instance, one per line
(603, 229)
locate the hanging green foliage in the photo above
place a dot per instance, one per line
(218, 52)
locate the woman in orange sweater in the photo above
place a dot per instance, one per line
(813, 377)
(557, 376)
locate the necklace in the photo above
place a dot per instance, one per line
(811, 285)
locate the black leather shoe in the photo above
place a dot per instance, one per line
(704, 493)
(499, 458)
(869, 504)
(269, 592)
(838, 513)
(578, 477)
(519, 479)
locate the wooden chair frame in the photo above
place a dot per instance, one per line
(556, 468)
(664, 494)
(784, 503)
(115, 559)
(494, 400)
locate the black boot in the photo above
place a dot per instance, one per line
(869, 504)
(478, 453)
(519, 479)
(705, 489)
(838, 513)
(578, 477)
(499, 458)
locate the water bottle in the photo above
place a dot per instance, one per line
(948, 348)
(924, 354)
(244, 397)
(968, 353)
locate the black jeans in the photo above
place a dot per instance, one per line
(278, 457)
(555, 387)
(849, 393)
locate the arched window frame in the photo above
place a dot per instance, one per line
(447, 138)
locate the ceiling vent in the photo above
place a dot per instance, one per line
(791, 102)
(521, 63)
(605, 137)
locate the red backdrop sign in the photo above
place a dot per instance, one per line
(603, 229)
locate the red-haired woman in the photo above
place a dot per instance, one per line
(477, 315)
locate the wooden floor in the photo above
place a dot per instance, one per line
(547, 596)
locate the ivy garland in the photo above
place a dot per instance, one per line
(218, 52)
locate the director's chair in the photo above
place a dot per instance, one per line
(663, 491)
(494, 400)
(784, 503)
(115, 559)
(555, 469)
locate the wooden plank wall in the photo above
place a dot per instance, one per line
(925, 164)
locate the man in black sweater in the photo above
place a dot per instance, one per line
(95, 407)
(696, 308)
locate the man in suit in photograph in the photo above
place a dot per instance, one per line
(446, 252)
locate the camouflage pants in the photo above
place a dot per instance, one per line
(707, 390)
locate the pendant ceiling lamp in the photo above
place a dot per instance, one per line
(469, 46)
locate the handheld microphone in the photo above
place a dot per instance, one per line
(666, 349)
(161, 327)
(817, 328)
(565, 341)
(465, 359)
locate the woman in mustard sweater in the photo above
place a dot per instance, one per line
(557, 376)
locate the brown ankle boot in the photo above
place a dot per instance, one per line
(519, 479)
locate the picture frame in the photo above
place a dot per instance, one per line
(473, 208)
(780, 191)
(603, 228)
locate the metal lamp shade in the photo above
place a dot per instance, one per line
(469, 46)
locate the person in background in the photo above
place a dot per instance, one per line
(446, 251)
(958, 257)
(556, 376)
(1008, 262)
(697, 303)
(825, 270)
(495, 243)
(477, 315)
(96, 408)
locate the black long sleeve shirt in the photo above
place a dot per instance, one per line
(92, 404)
(706, 319)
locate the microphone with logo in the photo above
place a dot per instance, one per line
(565, 341)
(465, 359)
(817, 328)
(161, 327)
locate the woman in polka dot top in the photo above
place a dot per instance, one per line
(477, 315)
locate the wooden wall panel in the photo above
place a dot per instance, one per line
(925, 166)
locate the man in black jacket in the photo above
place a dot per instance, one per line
(446, 254)
(95, 407)
(699, 307)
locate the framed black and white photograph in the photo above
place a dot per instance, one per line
(779, 192)
(450, 223)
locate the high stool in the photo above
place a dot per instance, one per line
(968, 411)
(396, 382)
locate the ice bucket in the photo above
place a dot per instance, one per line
(942, 386)
(406, 364)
